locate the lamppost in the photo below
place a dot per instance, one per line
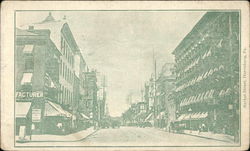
(190, 110)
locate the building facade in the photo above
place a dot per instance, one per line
(37, 62)
(91, 104)
(207, 70)
(164, 87)
(50, 66)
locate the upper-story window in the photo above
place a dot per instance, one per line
(29, 63)
(28, 49)
(61, 43)
(63, 70)
(64, 47)
(26, 79)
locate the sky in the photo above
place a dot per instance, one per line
(120, 44)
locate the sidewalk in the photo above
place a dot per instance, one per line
(210, 135)
(60, 138)
(207, 135)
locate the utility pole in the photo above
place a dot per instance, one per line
(142, 95)
(104, 93)
(155, 77)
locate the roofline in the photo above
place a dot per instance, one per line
(69, 32)
(195, 28)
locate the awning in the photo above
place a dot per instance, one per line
(193, 116)
(149, 117)
(22, 109)
(203, 115)
(141, 115)
(187, 117)
(28, 48)
(26, 78)
(84, 116)
(53, 109)
(181, 117)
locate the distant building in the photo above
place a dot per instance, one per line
(101, 96)
(164, 87)
(90, 86)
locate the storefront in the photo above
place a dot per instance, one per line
(28, 112)
(23, 117)
(56, 120)
(193, 121)
(39, 115)
(83, 122)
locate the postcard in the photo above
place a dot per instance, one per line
(125, 75)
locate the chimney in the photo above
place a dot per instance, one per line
(31, 28)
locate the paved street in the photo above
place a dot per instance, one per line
(146, 137)
(132, 136)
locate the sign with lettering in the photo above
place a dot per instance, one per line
(22, 95)
(36, 115)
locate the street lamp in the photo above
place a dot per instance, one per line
(190, 110)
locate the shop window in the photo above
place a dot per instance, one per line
(29, 63)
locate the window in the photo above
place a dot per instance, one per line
(63, 46)
(62, 94)
(61, 43)
(71, 96)
(29, 63)
(66, 95)
(26, 78)
(66, 52)
(63, 69)
(70, 57)
(69, 76)
(66, 73)
(59, 94)
(60, 67)
(28, 49)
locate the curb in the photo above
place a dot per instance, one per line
(227, 141)
(88, 135)
(28, 141)
(207, 137)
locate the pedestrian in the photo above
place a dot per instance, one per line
(199, 129)
(203, 127)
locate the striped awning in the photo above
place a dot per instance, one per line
(53, 109)
(149, 117)
(193, 116)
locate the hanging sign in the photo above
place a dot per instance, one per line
(36, 115)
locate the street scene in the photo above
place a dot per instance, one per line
(127, 78)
